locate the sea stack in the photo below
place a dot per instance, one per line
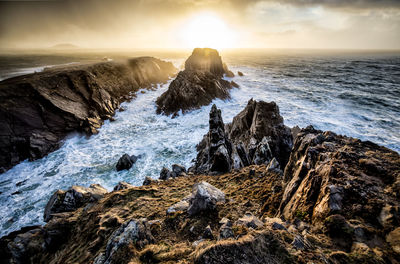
(200, 83)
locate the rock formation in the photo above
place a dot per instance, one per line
(126, 162)
(38, 110)
(256, 135)
(70, 200)
(197, 85)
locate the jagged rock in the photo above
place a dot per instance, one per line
(256, 248)
(204, 198)
(234, 84)
(240, 73)
(207, 234)
(256, 135)
(38, 110)
(299, 243)
(126, 162)
(133, 232)
(225, 220)
(122, 186)
(165, 174)
(277, 226)
(274, 166)
(295, 130)
(148, 180)
(250, 220)
(197, 85)
(321, 168)
(178, 170)
(72, 199)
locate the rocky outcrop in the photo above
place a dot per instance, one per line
(197, 85)
(40, 109)
(126, 162)
(70, 200)
(177, 171)
(122, 186)
(256, 135)
(204, 198)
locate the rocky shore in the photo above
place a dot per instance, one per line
(258, 192)
(38, 110)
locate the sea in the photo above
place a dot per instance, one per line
(353, 93)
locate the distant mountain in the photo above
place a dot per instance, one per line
(65, 46)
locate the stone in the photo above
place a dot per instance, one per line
(226, 231)
(274, 166)
(240, 73)
(178, 170)
(207, 234)
(197, 85)
(225, 220)
(183, 205)
(147, 181)
(39, 110)
(277, 226)
(72, 199)
(135, 232)
(126, 162)
(122, 186)
(250, 221)
(204, 198)
(165, 174)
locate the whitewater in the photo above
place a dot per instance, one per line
(354, 96)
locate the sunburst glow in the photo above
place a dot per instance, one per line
(207, 30)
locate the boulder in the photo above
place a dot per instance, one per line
(240, 73)
(197, 85)
(148, 180)
(183, 205)
(226, 231)
(256, 135)
(165, 174)
(38, 110)
(178, 170)
(122, 186)
(207, 234)
(134, 233)
(126, 162)
(72, 199)
(204, 198)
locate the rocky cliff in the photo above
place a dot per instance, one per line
(336, 201)
(38, 110)
(197, 85)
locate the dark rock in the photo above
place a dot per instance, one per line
(274, 166)
(148, 180)
(131, 233)
(234, 84)
(165, 174)
(178, 170)
(252, 173)
(126, 162)
(257, 248)
(250, 220)
(340, 231)
(122, 186)
(197, 85)
(277, 226)
(204, 198)
(256, 135)
(226, 231)
(207, 234)
(40, 109)
(240, 73)
(72, 199)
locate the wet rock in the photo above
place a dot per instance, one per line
(240, 73)
(207, 234)
(256, 248)
(131, 233)
(250, 220)
(72, 199)
(38, 110)
(197, 85)
(204, 198)
(126, 162)
(122, 186)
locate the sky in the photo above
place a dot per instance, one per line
(153, 24)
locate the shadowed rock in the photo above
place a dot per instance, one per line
(40, 109)
(126, 162)
(197, 85)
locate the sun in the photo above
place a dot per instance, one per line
(206, 30)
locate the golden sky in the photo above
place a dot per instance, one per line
(330, 24)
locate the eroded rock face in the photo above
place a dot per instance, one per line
(72, 199)
(40, 109)
(256, 135)
(197, 85)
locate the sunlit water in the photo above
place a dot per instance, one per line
(356, 96)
